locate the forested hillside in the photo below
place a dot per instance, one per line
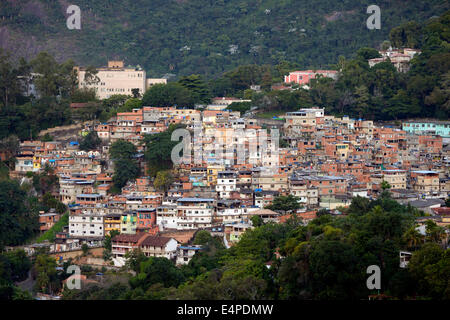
(207, 37)
(377, 93)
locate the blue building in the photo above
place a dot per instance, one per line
(441, 128)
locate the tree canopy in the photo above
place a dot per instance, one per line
(158, 150)
(222, 34)
(126, 167)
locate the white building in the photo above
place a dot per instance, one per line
(186, 253)
(156, 246)
(151, 246)
(194, 213)
(297, 120)
(230, 215)
(226, 184)
(308, 195)
(86, 225)
(124, 243)
(152, 81)
(114, 79)
(166, 216)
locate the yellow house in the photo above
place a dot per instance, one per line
(128, 223)
(36, 162)
(212, 172)
(112, 222)
(342, 150)
(233, 232)
(446, 220)
(396, 178)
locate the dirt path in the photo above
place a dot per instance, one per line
(27, 284)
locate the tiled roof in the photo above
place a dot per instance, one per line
(443, 211)
(264, 212)
(155, 241)
(182, 236)
(128, 237)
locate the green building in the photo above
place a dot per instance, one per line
(128, 223)
(441, 128)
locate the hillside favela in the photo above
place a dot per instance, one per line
(246, 150)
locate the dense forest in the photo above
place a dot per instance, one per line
(20, 204)
(325, 259)
(14, 267)
(378, 93)
(207, 37)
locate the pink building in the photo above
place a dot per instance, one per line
(303, 77)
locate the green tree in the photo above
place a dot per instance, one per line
(287, 203)
(112, 105)
(130, 104)
(202, 237)
(168, 95)
(122, 149)
(243, 77)
(424, 268)
(368, 53)
(407, 35)
(90, 142)
(335, 272)
(136, 93)
(359, 206)
(124, 171)
(10, 83)
(256, 221)
(157, 270)
(163, 180)
(385, 185)
(134, 258)
(54, 79)
(198, 88)
(85, 249)
(46, 181)
(447, 202)
(361, 100)
(158, 150)
(19, 263)
(322, 93)
(126, 167)
(18, 222)
(50, 202)
(83, 95)
(44, 271)
(107, 244)
(413, 238)
(10, 146)
(90, 76)
(434, 232)
(242, 107)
